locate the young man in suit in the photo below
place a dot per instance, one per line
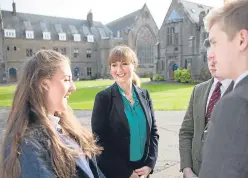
(202, 100)
(225, 152)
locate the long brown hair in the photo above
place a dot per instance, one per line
(125, 54)
(29, 94)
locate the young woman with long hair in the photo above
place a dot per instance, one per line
(43, 137)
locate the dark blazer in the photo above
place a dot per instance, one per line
(111, 127)
(225, 151)
(193, 125)
(35, 159)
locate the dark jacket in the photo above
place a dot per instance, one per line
(225, 151)
(35, 159)
(192, 128)
(111, 127)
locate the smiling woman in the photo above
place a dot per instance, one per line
(43, 137)
(123, 120)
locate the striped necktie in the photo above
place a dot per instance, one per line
(213, 100)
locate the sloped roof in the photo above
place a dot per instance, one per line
(124, 22)
(40, 23)
(193, 9)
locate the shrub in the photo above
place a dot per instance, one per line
(177, 75)
(182, 75)
(159, 77)
(185, 76)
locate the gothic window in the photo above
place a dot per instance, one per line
(144, 46)
(176, 35)
(89, 71)
(171, 37)
(168, 36)
(172, 31)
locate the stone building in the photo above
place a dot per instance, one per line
(83, 41)
(181, 38)
(86, 42)
(178, 43)
(139, 30)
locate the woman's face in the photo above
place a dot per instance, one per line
(122, 71)
(58, 88)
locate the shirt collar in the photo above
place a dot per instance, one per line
(54, 120)
(243, 75)
(225, 83)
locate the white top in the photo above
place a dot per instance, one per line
(54, 120)
(81, 161)
(240, 78)
(225, 84)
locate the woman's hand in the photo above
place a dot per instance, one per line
(144, 171)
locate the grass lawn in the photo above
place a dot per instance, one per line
(165, 96)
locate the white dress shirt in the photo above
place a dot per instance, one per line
(225, 84)
(240, 78)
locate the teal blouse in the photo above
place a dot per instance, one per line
(137, 124)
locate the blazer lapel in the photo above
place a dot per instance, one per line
(119, 105)
(204, 103)
(144, 103)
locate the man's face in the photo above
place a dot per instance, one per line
(223, 51)
(211, 63)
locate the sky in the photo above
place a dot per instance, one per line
(103, 11)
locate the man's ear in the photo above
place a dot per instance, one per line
(243, 36)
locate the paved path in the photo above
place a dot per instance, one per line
(168, 123)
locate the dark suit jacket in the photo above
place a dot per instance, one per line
(225, 152)
(192, 128)
(111, 127)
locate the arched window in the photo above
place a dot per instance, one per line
(144, 45)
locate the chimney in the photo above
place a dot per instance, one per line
(90, 17)
(14, 7)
